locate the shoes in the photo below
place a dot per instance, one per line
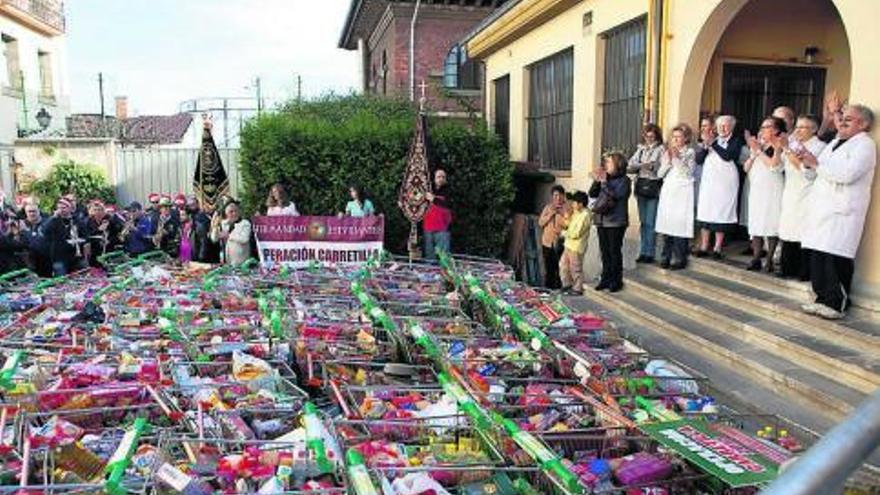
(664, 264)
(564, 290)
(718, 255)
(755, 265)
(828, 313)
(811, 308)
(747, 250)
(572, 292)
(769, 268)
(701, 254)
(615, 288)
(602, 286)
(677, 266)
(645, 259)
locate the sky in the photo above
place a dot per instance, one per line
(160, 53)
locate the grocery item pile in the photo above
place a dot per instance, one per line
(390, 378)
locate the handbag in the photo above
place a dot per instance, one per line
(604, 203)
(648, 188)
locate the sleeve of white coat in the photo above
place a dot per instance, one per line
(241, 234)
(851, 167)
(665, 166)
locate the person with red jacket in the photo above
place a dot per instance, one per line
(438, 218)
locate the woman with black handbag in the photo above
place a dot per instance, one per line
(611, 189)
(645, 163)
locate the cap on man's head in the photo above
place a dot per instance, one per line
(134, 206)
(180, 200)
(165, 201)
(153, 197)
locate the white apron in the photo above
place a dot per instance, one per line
(675, 210)
(765, 198)
(719, 186)
(795, 193)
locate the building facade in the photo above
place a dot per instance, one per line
(386, 32)
(33, 73)
(566, 80)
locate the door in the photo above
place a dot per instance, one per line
(751, 92)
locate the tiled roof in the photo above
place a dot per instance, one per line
(146, 129)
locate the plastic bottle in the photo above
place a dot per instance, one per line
(667, 372)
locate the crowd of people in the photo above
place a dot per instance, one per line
(76, 236)
(798, 186)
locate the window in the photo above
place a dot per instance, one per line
(551, 96)
(751, 92)
(45, 60)
(623, 103)
(459, 72)
(13, 69)
(502, 109)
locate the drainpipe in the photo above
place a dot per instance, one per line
(664, 53)
(656, 47)
(412, 52)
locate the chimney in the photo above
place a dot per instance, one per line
(121, 108)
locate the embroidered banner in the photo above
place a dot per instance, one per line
(300, 241)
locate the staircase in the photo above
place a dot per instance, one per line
(745, 331)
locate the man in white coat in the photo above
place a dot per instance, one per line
(837, 208)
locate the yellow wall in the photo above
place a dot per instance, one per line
(696, 29)
(754, 37)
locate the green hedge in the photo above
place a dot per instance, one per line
(87, 181)
(319, 148)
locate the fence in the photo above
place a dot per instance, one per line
(141, 171)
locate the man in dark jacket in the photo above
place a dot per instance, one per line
(201, 229)
(63, 238)
(137, 231)
(34, 226)
(166, 235)
(102, 231)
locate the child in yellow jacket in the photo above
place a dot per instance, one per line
(576, 235)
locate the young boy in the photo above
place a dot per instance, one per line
(576, 235)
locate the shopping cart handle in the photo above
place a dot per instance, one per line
(8, 276)
(110, 256)
(151, 255)
(10, 367)
(117, 464)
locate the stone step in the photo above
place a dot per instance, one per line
(860, 335)
(783, 376)
(844, 365)
(729, 384)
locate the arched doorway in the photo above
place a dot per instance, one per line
(753, 55)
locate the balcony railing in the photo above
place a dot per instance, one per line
(48, 13)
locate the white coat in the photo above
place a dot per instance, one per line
(798, 182)
(839, 198)
(719, 188)
(675, 210)
(238, 244)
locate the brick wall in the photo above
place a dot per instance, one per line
(437, 30)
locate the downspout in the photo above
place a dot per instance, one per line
(412, 52)
(664, 44)
(655, 18)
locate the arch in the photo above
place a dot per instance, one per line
(706, 42)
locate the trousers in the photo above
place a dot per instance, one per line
(611, 248)
(831, 276)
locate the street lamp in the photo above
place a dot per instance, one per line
(44, 118)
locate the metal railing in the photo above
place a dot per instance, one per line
(829, 463)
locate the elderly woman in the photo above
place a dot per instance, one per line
(764, 168)
(794, 262)
(675, 213)
(234, 235)
(645, 163)
(611, 189)
(719, 186)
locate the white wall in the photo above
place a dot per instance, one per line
(29, 43)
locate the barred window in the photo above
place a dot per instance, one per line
(622, 106)
(502, 109)
(551, 102)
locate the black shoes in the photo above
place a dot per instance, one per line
(602, 286)
(677, 266)
(701, 254)
(615, 288)
(755, 265)
(718, 255)
(645, 259)
(664, 264)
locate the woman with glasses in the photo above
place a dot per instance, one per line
(798, 179)
(764, 168)
(645, 163)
